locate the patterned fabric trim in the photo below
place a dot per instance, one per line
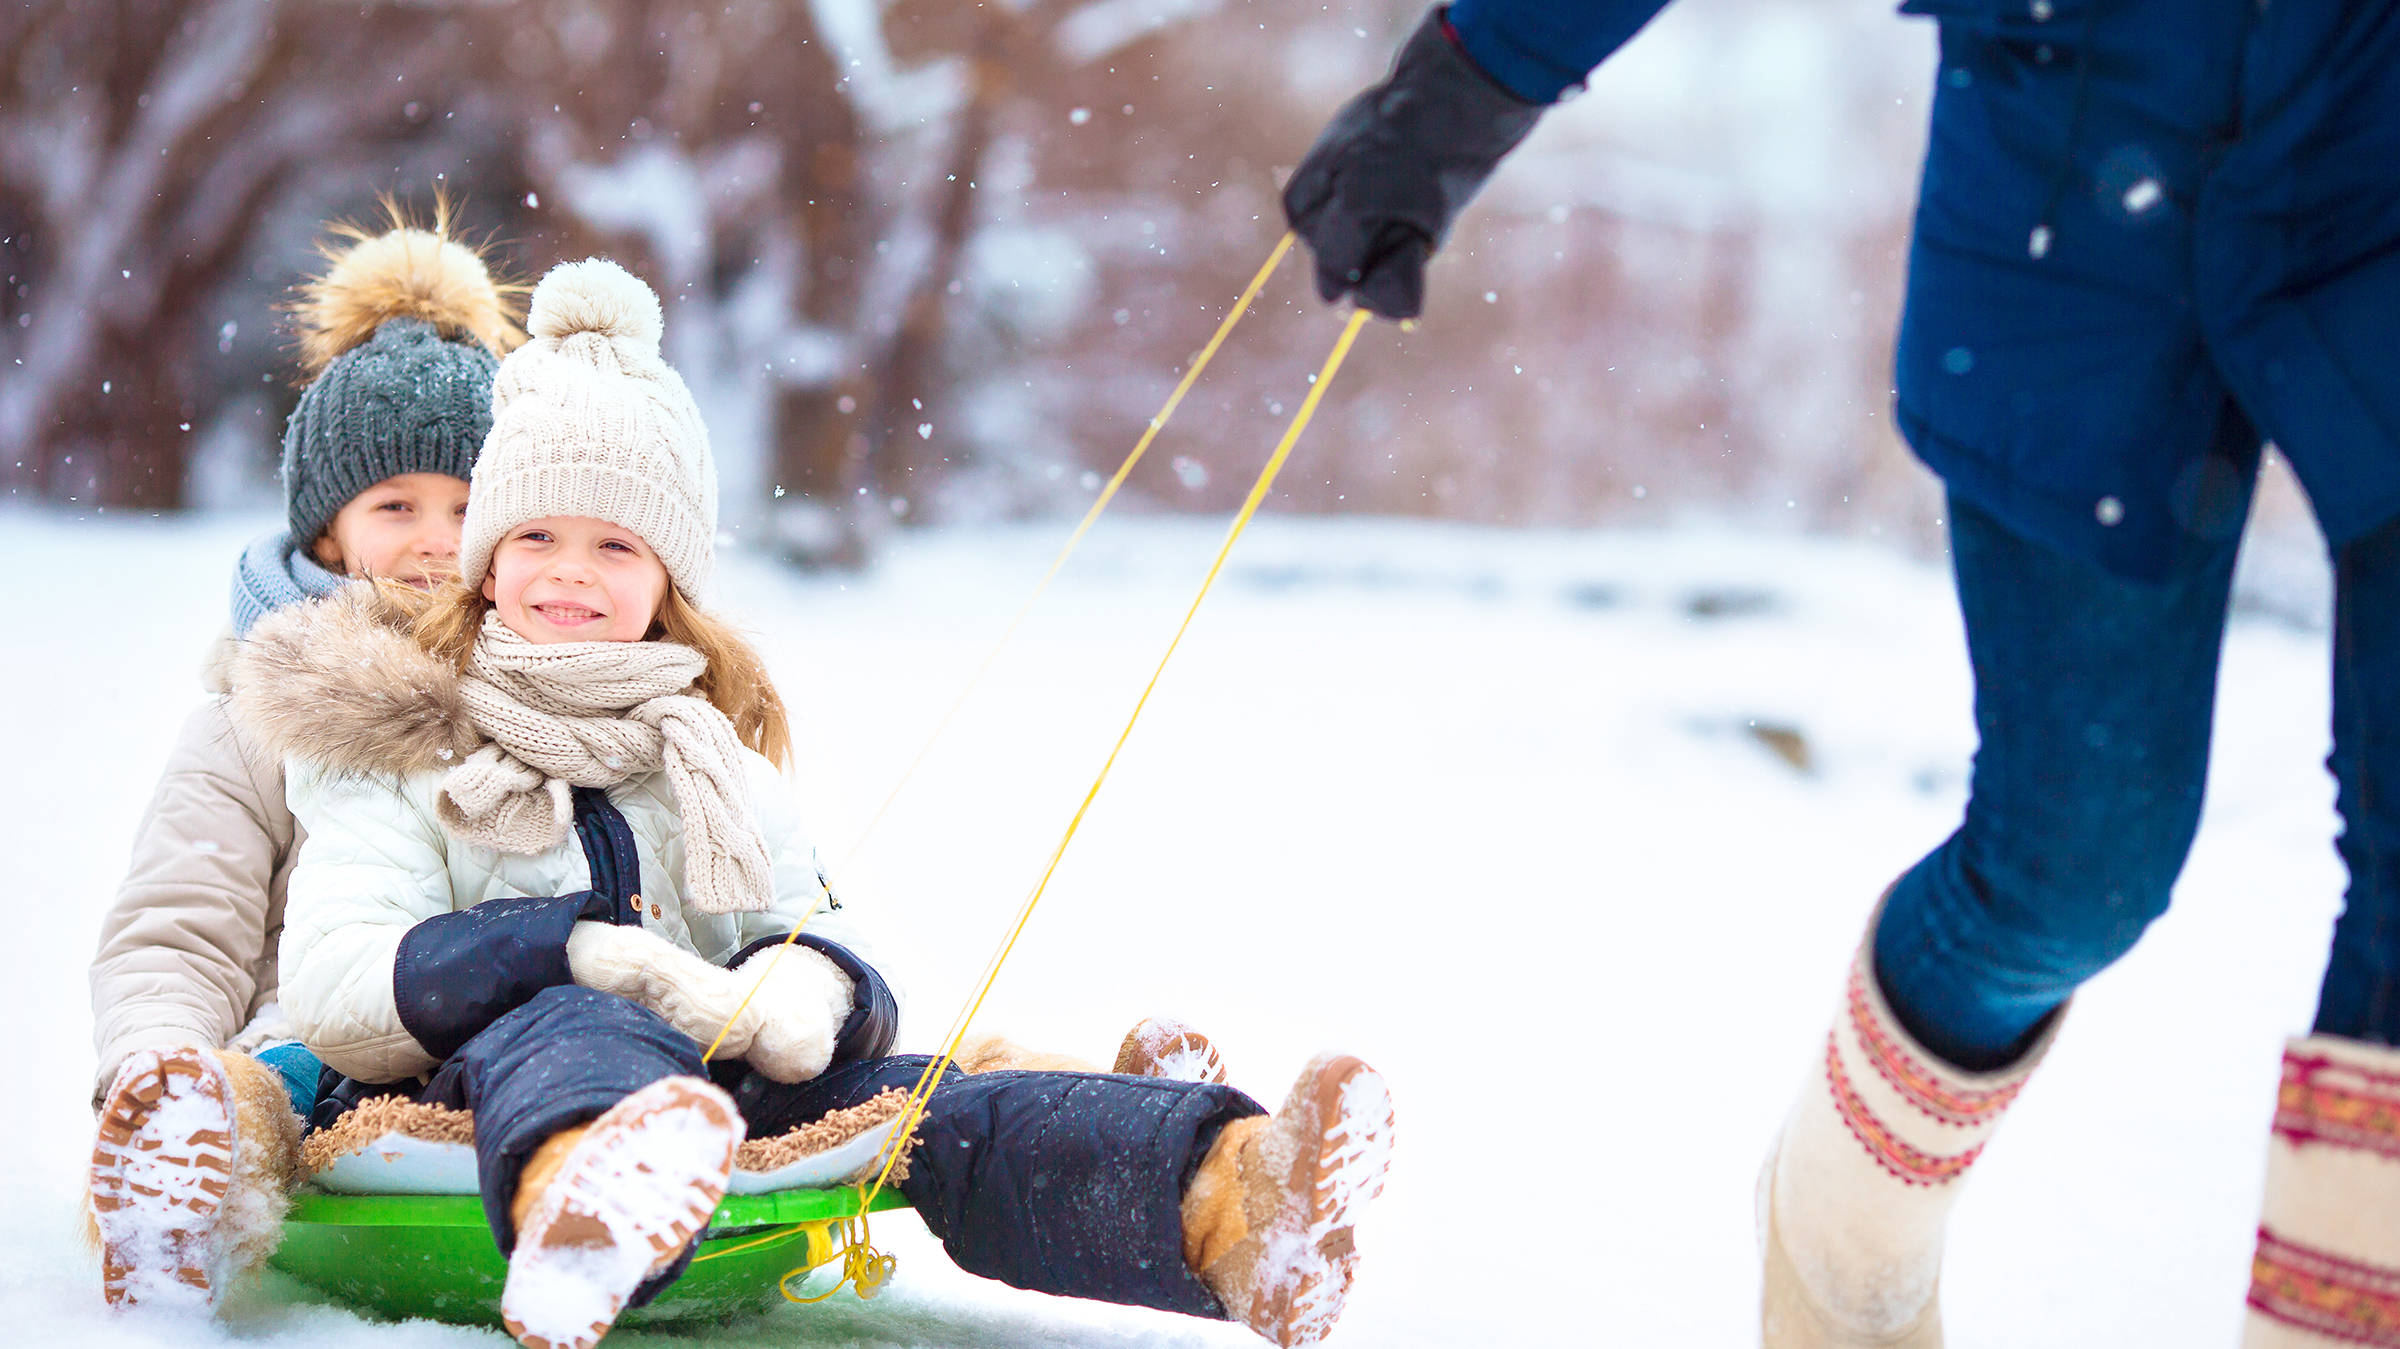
(2325, 1101)
(1960, 1107)
(1889, 1150)
(2325, 1294)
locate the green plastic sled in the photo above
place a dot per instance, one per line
(431, 1255)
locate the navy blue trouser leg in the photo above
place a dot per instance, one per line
(561, 1059)
(1066, 1183)
(2093, 702)
(2361, 995)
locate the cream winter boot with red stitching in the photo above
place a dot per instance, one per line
(601, 1208)
(2327, 1271)
(191, 1174)
(1267, 1217)
(1854, 1200)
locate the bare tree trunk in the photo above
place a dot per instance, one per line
(911, 368)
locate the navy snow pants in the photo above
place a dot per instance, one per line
(1066, 1183)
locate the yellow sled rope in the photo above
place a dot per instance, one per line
(1100, 503)
(863, 1268)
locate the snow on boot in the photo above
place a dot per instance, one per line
(1161, 1046)
(1267, 1217)
(2327, 1269)
(614, 1205)
(191, 1174)
(1855, 1197)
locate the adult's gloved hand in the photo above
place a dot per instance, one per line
(1378, 191)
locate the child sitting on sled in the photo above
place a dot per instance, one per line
(400, 336)
(548, 854)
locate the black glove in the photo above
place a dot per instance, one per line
(1396, 165)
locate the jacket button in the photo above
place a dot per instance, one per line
(655, 913)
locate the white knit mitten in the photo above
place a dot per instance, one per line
(694, 996)
(798, 1011)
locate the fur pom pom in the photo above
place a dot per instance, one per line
(596, 296)
(404, 272)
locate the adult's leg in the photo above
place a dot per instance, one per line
(2093, 697)
(2327, 1268)
(1066, 1183)
(2360, 999)
(2093, 702)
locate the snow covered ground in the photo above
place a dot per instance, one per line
(1487, 808)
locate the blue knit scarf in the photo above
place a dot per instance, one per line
(273, 574)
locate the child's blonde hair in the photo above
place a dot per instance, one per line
(447, 620)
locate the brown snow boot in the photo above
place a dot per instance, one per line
(539, 1169)
(1855, 1198)
(602, 1208)
(2327, 1270)
(1161, 1046)
(191, 1174)
(1267, 1218)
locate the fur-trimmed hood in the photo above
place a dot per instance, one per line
(339, 684)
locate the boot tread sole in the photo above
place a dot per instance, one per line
(126, 1149)
(1352, 1110)
(573, 1211)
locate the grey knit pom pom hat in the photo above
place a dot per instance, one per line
(404, 333)
(588, 420)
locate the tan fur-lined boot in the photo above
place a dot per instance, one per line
(1855, 1198)
(601, 1208)
(191, 1174)
(1267, 1218)
(999, 1054)
(2327, 1270)
(1161, 1046)
(1156, 1047)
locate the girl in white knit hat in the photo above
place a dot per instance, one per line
(548, 851)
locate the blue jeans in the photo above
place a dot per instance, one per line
(299, 1070)
(2093, 701)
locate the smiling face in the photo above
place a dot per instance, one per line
(569, 578)
(404, 528)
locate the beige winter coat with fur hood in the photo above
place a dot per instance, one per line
(369, 724)
(187, 950)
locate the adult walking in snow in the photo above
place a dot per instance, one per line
(197, 1067)
(2151, 235)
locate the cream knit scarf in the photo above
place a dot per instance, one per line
(592, 714)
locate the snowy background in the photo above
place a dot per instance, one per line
(1550, 737)
(1501, 811)
(923, 260)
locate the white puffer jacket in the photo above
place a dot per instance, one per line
(377, 862)
(368, 724)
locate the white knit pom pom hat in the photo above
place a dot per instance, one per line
(587, 420)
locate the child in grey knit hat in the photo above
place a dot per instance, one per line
(400, 337)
